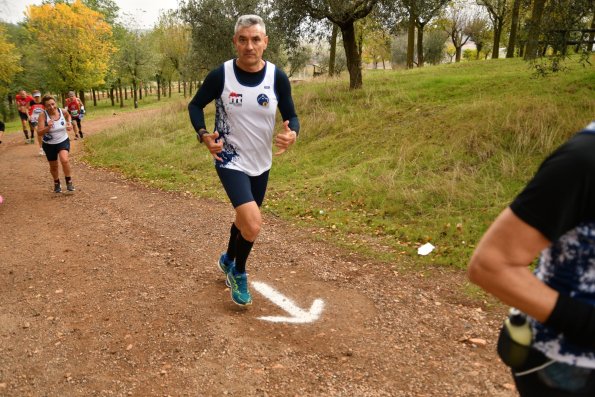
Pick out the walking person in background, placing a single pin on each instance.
(54, 123)
(247, 91)
(22, 100)
(553, 218)
(35, 109)
(2, 127)
(76, 109)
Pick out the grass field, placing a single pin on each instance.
(430, 154)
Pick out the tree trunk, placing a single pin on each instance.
(497, 34)
(458, 53)
(410, 41)
(179, 87)
(111, 95)
(158, 87)
(120, 89)
(140, 90)
(94, 96)
(126, 93)
(420, 45)
(134, 85)
(478, 48)
(170, 87)
(333, 51)
(534, 30)
(514, 25)
(352, 55)
(82, 97)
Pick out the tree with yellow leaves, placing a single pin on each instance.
(9, 67)
(75, 44)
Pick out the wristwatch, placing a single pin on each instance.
(200, 133)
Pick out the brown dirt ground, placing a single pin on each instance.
(114, 291)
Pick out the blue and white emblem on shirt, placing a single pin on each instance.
(263, 100)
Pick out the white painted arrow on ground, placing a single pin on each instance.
(297, 314)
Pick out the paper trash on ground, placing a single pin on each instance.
(425, 249)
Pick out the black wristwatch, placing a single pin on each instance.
(200, 133)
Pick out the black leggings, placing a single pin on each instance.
(78, 123)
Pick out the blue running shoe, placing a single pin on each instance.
(239, 288)
(225, 265)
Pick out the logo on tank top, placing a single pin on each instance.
(263, 100)
(235, 99)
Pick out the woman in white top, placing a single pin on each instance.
(55, 124)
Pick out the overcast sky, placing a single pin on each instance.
(145, 12)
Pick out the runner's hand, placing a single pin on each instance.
(285, 139)
(214, 147)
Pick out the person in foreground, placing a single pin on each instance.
(247, 91)
(55, 124)
(553, 218)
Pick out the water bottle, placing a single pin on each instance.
(515, 340)
(518, 327)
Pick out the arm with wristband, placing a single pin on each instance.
(558, 199)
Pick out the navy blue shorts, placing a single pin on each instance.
(51, 151)
(242, 188)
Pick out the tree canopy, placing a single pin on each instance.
(74, 44)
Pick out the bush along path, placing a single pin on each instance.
(114, 290)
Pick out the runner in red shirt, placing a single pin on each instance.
(77, 110)
(22, 100)
(35, 109)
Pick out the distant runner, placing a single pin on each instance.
(76, 109)
(35, 109)
(22, 100)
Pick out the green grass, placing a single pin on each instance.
(431, 154)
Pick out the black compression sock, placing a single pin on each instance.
(67, 179)
(233, 237)
(243, 250)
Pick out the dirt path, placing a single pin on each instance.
(113, 291)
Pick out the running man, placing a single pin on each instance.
(76, 109)
(22, 100)
(54, 123)
(35, 109)
(2, 126)
(247, 91)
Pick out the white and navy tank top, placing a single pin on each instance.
(57, 133)
(245, 119)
